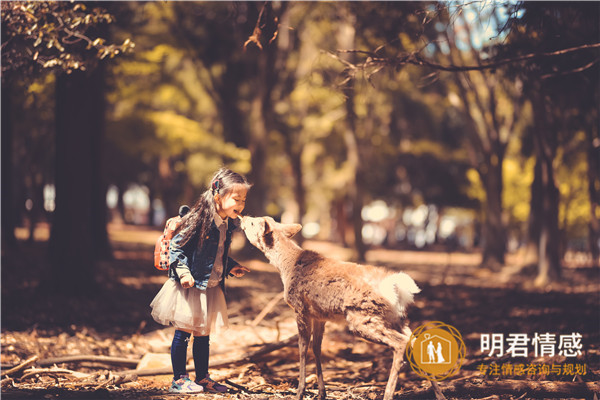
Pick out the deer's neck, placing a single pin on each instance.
(283, 256)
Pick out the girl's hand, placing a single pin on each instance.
(239, 271)
(187, 281)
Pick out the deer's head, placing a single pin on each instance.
(262, 231)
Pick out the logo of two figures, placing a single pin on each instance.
(435, 351)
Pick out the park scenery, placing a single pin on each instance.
(439, 162)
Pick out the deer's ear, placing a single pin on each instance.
(290, 230)
(268, 226)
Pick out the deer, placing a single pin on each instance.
(371, 300)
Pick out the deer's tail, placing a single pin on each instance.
(399, 290)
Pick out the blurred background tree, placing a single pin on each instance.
(471, 41)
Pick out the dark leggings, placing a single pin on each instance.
(200, 352)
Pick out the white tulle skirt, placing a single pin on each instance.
(200, 311)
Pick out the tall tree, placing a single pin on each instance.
(8, 196)
(593, 159)
(563, 91)
(492, 107)
(78, 218)
(239, 77)
(346, 39)
(67, 38)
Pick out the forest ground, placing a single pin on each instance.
(115, 321)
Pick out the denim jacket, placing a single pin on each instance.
(201, 262)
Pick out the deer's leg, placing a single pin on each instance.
(304, 332)
(318, 329)
(390, 388)
(375, 329)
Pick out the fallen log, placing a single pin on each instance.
(532, 389)
(247, 357)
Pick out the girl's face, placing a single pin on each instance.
(231, 204)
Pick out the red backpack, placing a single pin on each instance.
(161, 248)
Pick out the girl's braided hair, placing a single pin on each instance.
(199, 219)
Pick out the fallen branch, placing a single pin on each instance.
(7, 382)
(52, 371)
(533, 389)
(438, 392)
(117, 380)
(374, 59)
(237, 386)
(92, 358)
(20, 367)
(247, 357)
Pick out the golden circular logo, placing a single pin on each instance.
(437, 351)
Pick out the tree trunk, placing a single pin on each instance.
(121, 203)
(8, 192)
(531, 251)
(486, 143)
(228, 107)
(549, 267)
(593, 156)
(494, 235)
(151, 213)
(258, 149)
(346, 38)
(37, 209)
(100, 241)
(79, 213)
(295, 155)
(291, 135)
(166, 182)
(262, 121)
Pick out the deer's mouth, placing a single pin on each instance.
(242, 220)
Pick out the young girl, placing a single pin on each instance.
(192, 299)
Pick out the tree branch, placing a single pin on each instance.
(415, 59)
(573, 71)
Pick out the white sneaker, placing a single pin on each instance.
(185, 385)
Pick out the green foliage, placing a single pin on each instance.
(161, 109)
(572, 182)
(54, 35)
(516, 197)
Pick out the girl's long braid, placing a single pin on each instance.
(199, 219)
